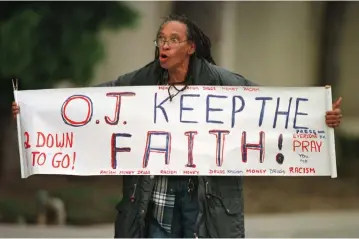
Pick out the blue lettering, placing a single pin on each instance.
(160, 107)
(261, 115)
(298, 113)
(286, 113)
(166, 150)
(234, 107)
(208, 109)
(220, 138)
(185, 108)
(115, 149)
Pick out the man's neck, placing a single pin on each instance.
(178, 75)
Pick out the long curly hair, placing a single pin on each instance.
(194, 34)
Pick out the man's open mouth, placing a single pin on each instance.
(163, 57)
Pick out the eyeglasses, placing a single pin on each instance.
(172, 42)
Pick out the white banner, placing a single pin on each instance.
(203, 130)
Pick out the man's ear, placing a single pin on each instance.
(192, 48)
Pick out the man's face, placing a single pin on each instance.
(174, 47)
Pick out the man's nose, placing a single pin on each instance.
(165, 46)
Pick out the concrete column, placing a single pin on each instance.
(277, 42)
(228, 40)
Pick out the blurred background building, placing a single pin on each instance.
(271, 43)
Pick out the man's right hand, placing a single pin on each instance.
(15, 109)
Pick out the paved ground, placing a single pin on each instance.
(314, 225)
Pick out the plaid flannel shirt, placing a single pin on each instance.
(163, 195)
(163, 198)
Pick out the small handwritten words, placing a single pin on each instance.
(235, 171)
(256, 171)
(168, 172)
(301, 170)
(143, 172)
(307, 140)
(197, 172)
(125, 172)
(251, 89)
(110, 172)
(303, 158)
(217, 171)
(42, 149)
(276, 171)
(191, 172)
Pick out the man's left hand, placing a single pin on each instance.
(333, 117)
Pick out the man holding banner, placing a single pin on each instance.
(183, 206)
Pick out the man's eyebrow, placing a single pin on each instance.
(174, 34)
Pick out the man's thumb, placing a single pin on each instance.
(337, 103)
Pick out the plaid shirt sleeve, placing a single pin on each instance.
(163, 199)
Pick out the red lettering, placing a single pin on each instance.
(170, 172)
(63, 140)
(296, 144)
(108, 172)
(220, 142)
(143, 172)
(260, 146)
(190, 172)
(60, 143)
(301, 170)
(190, 135)
(216, 171)
(256, 171)
(49, 141)
(27, 139)
(61, 160)
(307, 146)
(38, 158)
(165, 148)
(163, 87)
(209, 88)
(229, 88)
(319, 145)
(251, 89)
(89, 110)
(115, 149)
(118, 96)
(305, 136)
(40, 134)
(67, 140)
(126, 172)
